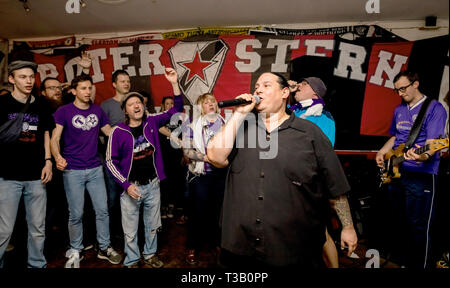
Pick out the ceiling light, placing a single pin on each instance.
(25, 5)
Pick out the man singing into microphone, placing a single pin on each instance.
(275, 209)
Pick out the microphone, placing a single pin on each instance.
(236, 102)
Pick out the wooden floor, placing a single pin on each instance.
(171, 250)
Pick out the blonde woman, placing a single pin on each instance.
(206, 182)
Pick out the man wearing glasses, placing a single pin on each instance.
(51, 89)
(411, 196)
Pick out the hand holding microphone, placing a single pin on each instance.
(244, 100)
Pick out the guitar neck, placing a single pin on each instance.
(419, 151)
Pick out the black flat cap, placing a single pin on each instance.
(19, 64)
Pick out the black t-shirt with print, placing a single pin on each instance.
(142, 168)
(24, 159)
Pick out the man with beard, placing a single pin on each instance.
(51, 90)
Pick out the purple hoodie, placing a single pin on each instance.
(119, 154)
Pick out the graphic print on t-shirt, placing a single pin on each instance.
(29, 127)
(142, 148)
(80, 122)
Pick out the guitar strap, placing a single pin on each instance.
(417, 124)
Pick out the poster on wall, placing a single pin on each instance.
(358, 73)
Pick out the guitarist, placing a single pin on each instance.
(411, 196)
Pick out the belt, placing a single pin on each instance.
(144, 182)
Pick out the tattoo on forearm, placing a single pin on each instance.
(342, 209)
(194, 155)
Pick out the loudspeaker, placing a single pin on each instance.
(430, 21)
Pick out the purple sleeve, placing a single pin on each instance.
(59, 116)
(164, 117)
(113, 157)
(436, 119)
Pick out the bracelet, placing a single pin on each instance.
(429, 156)
(48, 159)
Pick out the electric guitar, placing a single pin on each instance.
(393, 158)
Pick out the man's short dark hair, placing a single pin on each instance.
(412, 76)
(80, 78)
(42, 87)
(117, 73)
(281, 80)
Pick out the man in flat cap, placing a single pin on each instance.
(309, 93)
(135, 161)
(26, 163)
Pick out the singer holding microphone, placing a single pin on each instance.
(275, 210)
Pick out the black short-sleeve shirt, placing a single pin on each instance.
(275, 209)
(24, 159)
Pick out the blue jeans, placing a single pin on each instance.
(35, 200)
(150, 198)
(75, 183)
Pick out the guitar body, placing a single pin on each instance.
(394, 158)
(390, 168)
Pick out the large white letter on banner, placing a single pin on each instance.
(119, 61)
(96, 55)
(383, 66)
(242, 53)
(147, 58)
(346, 60)
(47, 70)
(312, 44)
(280, 58)
(68, 68)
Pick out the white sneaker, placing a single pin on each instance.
(74, 259)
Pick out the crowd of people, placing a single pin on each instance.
(245, 203)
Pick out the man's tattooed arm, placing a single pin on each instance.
(194, 155)
(342, 208)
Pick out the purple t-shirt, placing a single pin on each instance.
(432, 128)
(80, 134)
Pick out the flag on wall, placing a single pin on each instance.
(358, 73)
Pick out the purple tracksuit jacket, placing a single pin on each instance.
(119, 153)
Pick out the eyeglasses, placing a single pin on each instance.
(403, 89)
(54, 87)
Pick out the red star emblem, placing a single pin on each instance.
(196, 67)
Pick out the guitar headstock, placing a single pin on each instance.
(438, 144)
